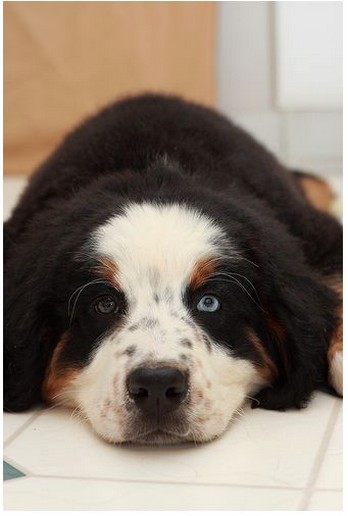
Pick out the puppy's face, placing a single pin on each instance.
(158, 348)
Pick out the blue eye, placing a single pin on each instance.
(208, 304)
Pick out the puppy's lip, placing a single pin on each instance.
(157, 435)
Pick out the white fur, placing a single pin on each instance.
(150, 237)
(155, 249)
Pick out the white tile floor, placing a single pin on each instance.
(265, 461)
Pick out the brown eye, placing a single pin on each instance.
(106, 305)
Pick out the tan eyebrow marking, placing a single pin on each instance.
(108, 270)
(202, 271)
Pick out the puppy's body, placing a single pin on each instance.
(154, 205)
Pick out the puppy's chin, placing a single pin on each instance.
(160, 437)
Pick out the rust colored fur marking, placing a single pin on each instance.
(335, 350)
(278, 331)
(317, 192)
(57, 378)
(268, 371)
(201, 272)
(108, 270)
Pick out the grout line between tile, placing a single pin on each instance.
(169, 482)
(16, 479)
(135, 481)
(21, 429)
(320, 456)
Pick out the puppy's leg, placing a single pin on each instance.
(335, 351)
(316, 191)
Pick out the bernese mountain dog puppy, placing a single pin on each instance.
(161, 269)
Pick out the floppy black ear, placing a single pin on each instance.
(298, 324)
(27, 328)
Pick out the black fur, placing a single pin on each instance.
(164, 149)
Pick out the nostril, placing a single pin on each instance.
(136, 388)
(140, 393)
(175, 392)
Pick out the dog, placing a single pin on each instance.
(161, 269)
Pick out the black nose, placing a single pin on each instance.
(157, 391)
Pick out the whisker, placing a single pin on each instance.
(78, 293)
(232, 258)
(236, 417)
(235, 281)
(249, 261)
(232, 276)
(78, 415)
(240, 411)
(253, 399)
(250, 283)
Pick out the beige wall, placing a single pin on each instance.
(64, 60)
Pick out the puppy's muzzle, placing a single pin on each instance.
(157, 391)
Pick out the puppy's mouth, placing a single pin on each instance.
(160, 433)
(159, 436)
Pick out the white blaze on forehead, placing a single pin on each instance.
(147, 239)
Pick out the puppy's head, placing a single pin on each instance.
(147, 355)
(158, 326)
